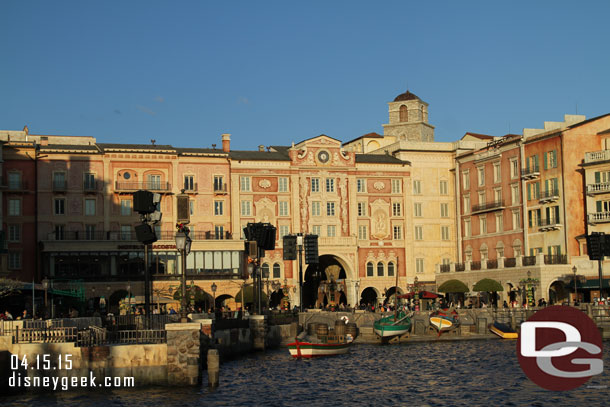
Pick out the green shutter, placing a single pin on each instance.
(598, 206)
(546, 164)
(529, 192)
(598, 177)
(529, 213)
(554, 154)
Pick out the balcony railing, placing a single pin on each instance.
(549, 195)
(445, 268)
(60, 186)
(596, 156)
(17, 185)
(460, 267)
(555, 259)
(134, 186)
(220, 189)
(598, 217)
(92, 186)
(598, 188)
(510, 262)
(549, 224)
(475, 265)
(201, 235)
(487, 206)
(492, 264)
(96, 235)
(190, 187)
(529, 260)
(530, 172)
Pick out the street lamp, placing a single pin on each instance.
(574, 270)
(45, 285)
(129, 296)
(356, 300)
(266, 276)
(214, 287)
(183, 243)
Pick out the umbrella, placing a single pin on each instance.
(248, 291)
(453, 286)
(488, 285)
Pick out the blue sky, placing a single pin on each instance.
(273, 72)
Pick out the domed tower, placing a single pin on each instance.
(409, 119)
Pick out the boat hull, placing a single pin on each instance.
(385, 327)
(503, 331)
(311, 350)
(443, 321)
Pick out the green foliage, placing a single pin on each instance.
(488, 285)
(453, 286)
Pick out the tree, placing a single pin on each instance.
(9, 287)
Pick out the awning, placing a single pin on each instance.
(589, 284)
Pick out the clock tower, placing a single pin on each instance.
(408, 116)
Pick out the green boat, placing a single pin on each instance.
(393, 326)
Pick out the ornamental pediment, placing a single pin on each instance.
(321, 151)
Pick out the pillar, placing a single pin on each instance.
(258, 328)
(183, 354)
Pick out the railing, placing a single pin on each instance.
(597, 188)
(201, 235)
(45, 335)
(95, 336)
(96, 235)
(555, 259)
(549, 222)
(529, 260)
(93, 186)
(475, 265)
(594, 156)
(283, 318)
(492, 264)
(598, 217)
(135, 322)
(60, 186)
(487, 206)
(17, 185)
(190, 188)
(510, 262)
(220, 189)
(552, 193)
(134, 186)
(530, 171)
(460, 267)
(445, 268)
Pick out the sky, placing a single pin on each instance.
(276, 72)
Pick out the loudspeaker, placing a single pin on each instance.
(145, 234)
(183, 209)
(143, 202)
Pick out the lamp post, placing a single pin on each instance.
(129, 296)
(45, 285)
(356, 300)
(266, 277)
(182, 245)
(574, 270)
(214, 287)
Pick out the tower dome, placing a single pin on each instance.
(406, 96)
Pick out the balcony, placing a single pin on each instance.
(487, 207)
(96, 235)
(121, 186)
(16, 186)
(92, 186)
(60, 186)
(598, 217)
(523, 262)
(202, 235)
(546, 225)
(555, 259)
(600, 188)
(190, 188)
(530, 173)
(597, 156)
(549, 196)
(220, 189)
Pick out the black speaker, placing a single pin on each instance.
(183, 209)
(143, 202)
(145, 234)
(269, 237)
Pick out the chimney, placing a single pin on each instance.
(226, 142)
(261, 148)
(44, 141)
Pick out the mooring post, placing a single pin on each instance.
(213, 367)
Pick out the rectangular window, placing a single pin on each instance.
(534, 218)
(397, 232)
(514, 168)
(552, 187)
(416, 187)
(154, 182)
(246, 208)
(466, 179)
(14, 207)
(497, 172)
(59, 180)
(419, 265)
(330, 209)
(361, 208)
(481, 174)
(482, 197)
(330, 185)
(315, 208)
(283, 208)
(219, 232)
(89, 207)
(219, 184)
(89, 232)
(535, 250)
(362, 232)
(419, 233)
(315, 185)
(444, 188)
(533, 164)
(14, 260)
(533, 191)
(283, 184)
(499, 222)
(445, 232)
(360, 185)
(396, 186)
(514, 192)
(396, 209)
(552, 214)
(444, 210)
(284, 231)
(483, 225)
(467, 228)
(14, 180)
(550, 159)
(125, 232)
(602, 177)
(218, 208)
(192, 207)
(89, 181)
(316, 229)
(125, 207)
(467, 204)
(498, 195)
(417, 212)
(244, 184)
(331, 231)
(516, 220)
(59, 232)
(189, 182)
(14, 233)
(59, 205)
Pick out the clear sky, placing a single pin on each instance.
(273, 72)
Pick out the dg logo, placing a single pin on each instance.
(560, 348)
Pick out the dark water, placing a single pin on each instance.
(418, 374)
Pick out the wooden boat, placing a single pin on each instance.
(308, 346)
(444, 320)
(503, 331)
(392, 326)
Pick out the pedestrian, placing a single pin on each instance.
(505, 305)
(8, 315)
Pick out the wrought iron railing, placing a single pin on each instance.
(529, 260)
(555, 259)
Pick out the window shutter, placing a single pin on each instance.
(529, 192)
(554, 154)
(530, 218)
(598, 206)
(545, 161)
(597, 177)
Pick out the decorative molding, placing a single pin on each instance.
(304, 188)
(265, 211)
(302, 153)
(380, 211)
(343, 193)
(379, 185)
(264, 183)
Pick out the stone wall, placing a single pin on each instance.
(184, 353)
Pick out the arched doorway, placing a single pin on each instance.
(389, 295)
(225, 300)
(369, 297)
(558, 293)
(324, 283)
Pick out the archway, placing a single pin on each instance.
(558, 293)
(389, 297)
(225, 300)
(324, 283)
(369, 297)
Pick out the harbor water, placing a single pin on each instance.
(468, 373)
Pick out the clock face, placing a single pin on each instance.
(323, 157)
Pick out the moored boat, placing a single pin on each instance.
(503, 331)
(392, 326)
(444, 320)
(324, 344)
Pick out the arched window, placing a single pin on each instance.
(484, 252)
(380, 269)
(500, 249)
(404, 113)
(277, 270)
(391, 268)
(369, 269)
(265, 269)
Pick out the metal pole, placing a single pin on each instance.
(33, 301)
(146, 286)
(183, 313)
(601, 280)
(301, 277)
